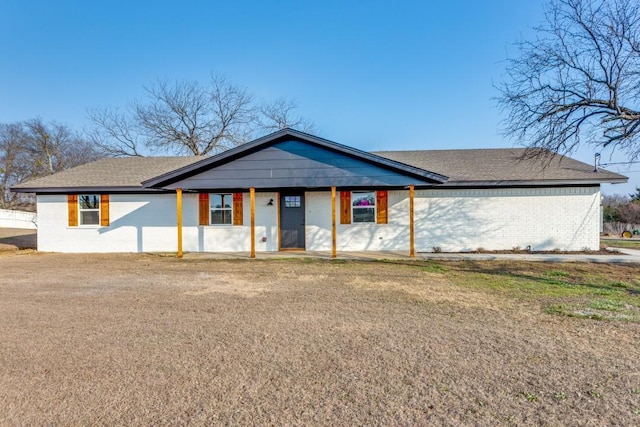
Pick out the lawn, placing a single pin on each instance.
(152, 340)
(621, 243)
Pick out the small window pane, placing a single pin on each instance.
(89, 209)
(220, 216)
(364, 215)
(221, 212)
(91, 201)
(364, 199)
(291, 201)
(364, 206)
(219, 201)
(89, 217)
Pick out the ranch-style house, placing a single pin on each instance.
(295, 191)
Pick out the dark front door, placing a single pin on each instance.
(292, 221)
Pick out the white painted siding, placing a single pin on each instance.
(453, 220)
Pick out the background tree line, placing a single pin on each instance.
(621, 212)
(33, 148)
(174, 118)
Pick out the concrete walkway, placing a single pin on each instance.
(626, 256)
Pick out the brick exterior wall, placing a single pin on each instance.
(566, 218)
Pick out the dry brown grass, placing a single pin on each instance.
(140, 339)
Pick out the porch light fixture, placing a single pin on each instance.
(270, 202)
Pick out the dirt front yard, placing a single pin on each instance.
(151, 340)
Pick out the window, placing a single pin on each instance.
(291, 201)
(221, 209)
(89, 209)
(364, 206)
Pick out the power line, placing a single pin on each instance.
(618, 163)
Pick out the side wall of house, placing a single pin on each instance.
(566, 218)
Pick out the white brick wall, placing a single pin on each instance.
(465, 220)
(453, 220)
(493, 219)
(147, 223)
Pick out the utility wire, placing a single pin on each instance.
(618, 163)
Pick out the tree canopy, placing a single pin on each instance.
(578, 81)
(32, 149)
(188, 117)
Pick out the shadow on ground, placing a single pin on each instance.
(17, 238)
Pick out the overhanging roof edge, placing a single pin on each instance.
(88, 189)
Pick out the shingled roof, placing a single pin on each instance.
(123, 173)
(502, 166)
(470, 168)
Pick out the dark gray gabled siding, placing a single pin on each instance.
(291, 164)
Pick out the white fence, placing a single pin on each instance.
(17, 219)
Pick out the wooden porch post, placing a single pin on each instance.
(179, 210)
(252, 194)
(333, 222)
(412, 251)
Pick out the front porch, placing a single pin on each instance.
(323, 220)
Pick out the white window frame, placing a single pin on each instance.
(375, 207)
(81, 210)
(229, 209)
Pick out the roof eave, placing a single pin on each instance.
(534, 182)
(86, 189)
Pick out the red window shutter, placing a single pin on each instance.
(203, 208)
(72, 207)
(237, 209)
(381, 205)
(104, 210)
(345, 207)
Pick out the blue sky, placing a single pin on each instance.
(374, 75)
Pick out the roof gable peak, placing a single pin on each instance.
(288, 134)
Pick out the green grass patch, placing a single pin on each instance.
(570, 311)
(433, 267)
(589, 291)
(621, 243)
(585, 291)
(607, 305)
(557, 273)
(597, 309)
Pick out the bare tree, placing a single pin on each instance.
(278, 115)
(32, 149)
(186, 117)
(115, 134)
(13, 161)
(578, 82)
